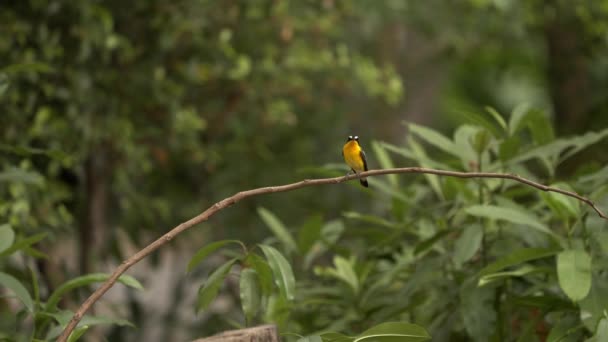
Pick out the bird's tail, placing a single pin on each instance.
(363, 182)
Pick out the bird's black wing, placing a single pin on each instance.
(364, 160)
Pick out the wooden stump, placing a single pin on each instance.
(262, 333)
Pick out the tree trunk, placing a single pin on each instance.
(568, 74)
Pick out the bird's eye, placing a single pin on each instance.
(350, 137)
(356, 137)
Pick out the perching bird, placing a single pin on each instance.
(355, 157)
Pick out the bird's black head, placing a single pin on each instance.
(353, 137)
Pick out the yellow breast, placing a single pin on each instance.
(352, 156)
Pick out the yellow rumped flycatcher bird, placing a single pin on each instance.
(355, 157)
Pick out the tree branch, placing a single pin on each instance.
(204, 216)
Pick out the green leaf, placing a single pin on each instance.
(385, 162)
(250, 293)
(477, 310)
(519, 272)
(434, 138)
(37, 67)
(517, 257)
(64, 316)
(336, 337)
(563, 148)
(574, 273)
(601, 333)
(371, 219)
(413, 155)
(516, 118)
(478, 119)
(21, 176)
(594, 304)
(563, 206)
(345, 271)
(548, 302)
(208, 292)
(202, 253)
(511, 215)
(310, 338)
(85, 281)
(468, 243)
(77, 333)
(20, 291)
(4, 83)
(428, 243)
(283, 274)
(501, 121)
(508, 148)
(309, 233)
(263, 271)
(278, 228)
(394, 332)
(540, 126)
(7, 237)
(23, 244)
(420, 155)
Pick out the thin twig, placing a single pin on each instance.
(204, 216)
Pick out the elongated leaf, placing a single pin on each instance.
(428, 243)
(309, 233)
(84, 281)
(385, 162)
(467, 244)
(4, 83)
(372, 219)
(478, 119)
(204, 252)
(310, 338)
(278, 228)
(77, 333)
(393, 332)
(346, 272)
(564, 147)
(20, 291)
(601, 333)
(23, 244)
(64, 316)
(477, 310)
(516, 117)
(283, 274)
(250, 293)
(563, 206)
(595, 303)
(22, 176)
(263, 271)
(7, 237)
(499, 119)
(208, 292)
(511, 215)
(434, 138)
(37, 67)
(574, 273)
(433, 180)
(519, 272)
(518, 257)
(409, 154)
(336, 337)
(548, 302)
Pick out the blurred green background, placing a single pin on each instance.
(121, 119)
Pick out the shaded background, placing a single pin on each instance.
(130, 117)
